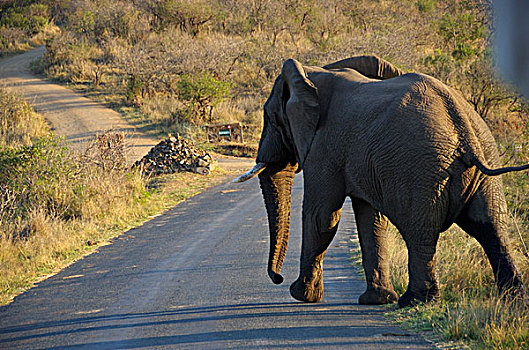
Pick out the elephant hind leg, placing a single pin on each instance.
(422, 286)
(485, 219)
(372, 233)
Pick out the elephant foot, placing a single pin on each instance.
(378, 296)
(411, 299)
(307, 292)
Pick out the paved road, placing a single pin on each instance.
(195, 277)
(68, 113)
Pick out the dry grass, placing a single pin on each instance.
(19, 124)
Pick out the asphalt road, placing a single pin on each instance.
(194, 277)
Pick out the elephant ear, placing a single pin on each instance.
(301, 107)
(369, 66)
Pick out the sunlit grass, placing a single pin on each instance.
(19, 124)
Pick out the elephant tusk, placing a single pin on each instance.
(253, 172)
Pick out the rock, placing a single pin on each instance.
(202, 170)
(175, 154)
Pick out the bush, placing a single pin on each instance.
(19, 124)
(73, 59)
(202, 93)
(32, 19)
(38, 175)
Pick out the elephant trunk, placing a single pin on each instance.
(276, 185)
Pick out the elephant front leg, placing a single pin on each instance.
(318, 231)
(372, 233)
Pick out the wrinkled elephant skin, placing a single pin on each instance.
(404, 147)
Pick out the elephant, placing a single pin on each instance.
(405, 148)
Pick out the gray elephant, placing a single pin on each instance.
(404, 147)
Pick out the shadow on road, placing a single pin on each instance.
(187, 315)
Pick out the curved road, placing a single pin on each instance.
(76, 117)
(68, 113)
(195, 277)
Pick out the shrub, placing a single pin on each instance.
(74, 59)
(202, 93)
(32, 19)
(38, 175)
(19, 124)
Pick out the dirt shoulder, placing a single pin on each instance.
(76, 117)
(70, 115)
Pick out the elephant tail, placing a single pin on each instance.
(471, 160)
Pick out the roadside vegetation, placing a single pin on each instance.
(23, 25)
(172, 66)
(56, 205)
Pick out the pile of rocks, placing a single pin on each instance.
(175, 154)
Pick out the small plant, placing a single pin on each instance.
(202, 92)
(426, 6)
